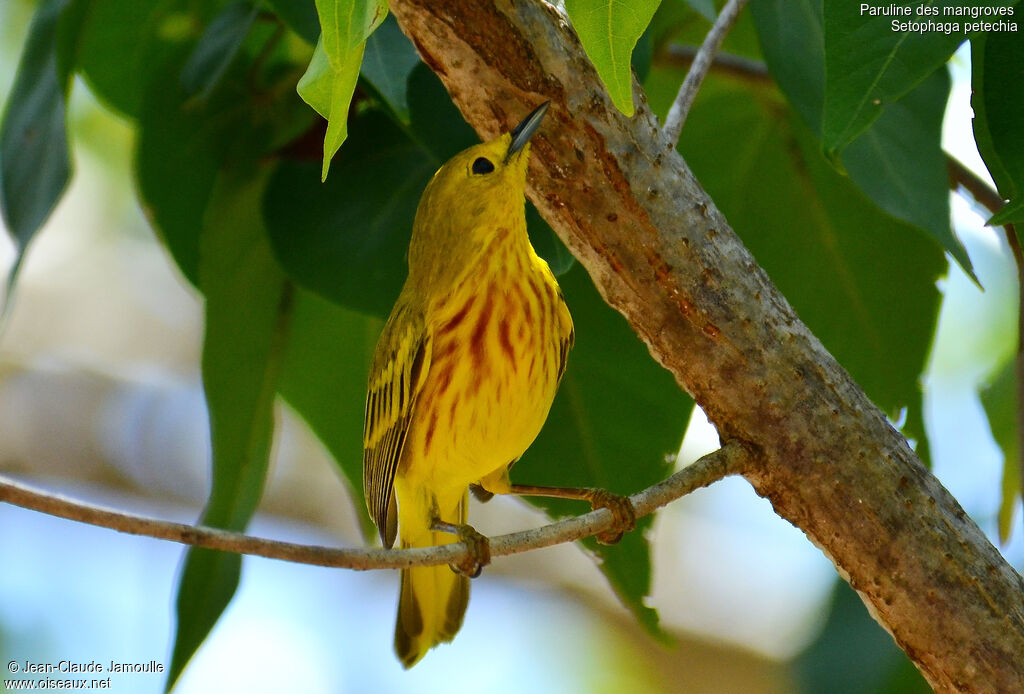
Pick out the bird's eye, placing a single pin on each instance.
(482, 165)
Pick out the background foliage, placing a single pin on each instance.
(838, 184)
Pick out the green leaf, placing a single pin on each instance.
(999, 399)
(248, 307)
(854, 655)
(434, 121)
(34, 161)
(300, 16)
(330, 79)
(899, 163)
(178, 156)
(705, 8)
(217, 47)
(329, 91)
(546, 242)
(997, 83)
(346, 24)
(1013, 213)
(125, 42)
(610, 428)
(609, 30)
(324, 380)
(183, 142)
(837, 259)
(387, 63)
(894, 161)
(869, 65)
(346, 239)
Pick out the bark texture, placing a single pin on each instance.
(662, 254)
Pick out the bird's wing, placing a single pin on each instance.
(569, 335)
(400, 364)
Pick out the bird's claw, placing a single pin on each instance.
(478, 554)
(623, 514)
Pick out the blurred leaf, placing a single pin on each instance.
(1013, 213)
(854, 655)
(999, 399)
(706, 8)
(70, 33)
(329, 91)
(546, 242)
(183, 142)
(217, 47)
(125, 42)
(34, 161)
(790, 32)
(643, 54)
(868, 65)
(345, 25)
(387, 63)
(346, 239)
(609, 30)
(179, 152)
(610, 428)
(248, 307)
(324, 380)
(300, 16)
(895, 161)
(435, 123)
(863, 282)
(997, 83)
(673, 18)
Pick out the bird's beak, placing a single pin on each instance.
(522, 133)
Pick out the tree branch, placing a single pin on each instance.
(698, 69)
(728, 460)
(662, 254)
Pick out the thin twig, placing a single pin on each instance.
(688, 91)
(681, 55)
(728, 460)
(960, 175)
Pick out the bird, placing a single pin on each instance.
(462, 379)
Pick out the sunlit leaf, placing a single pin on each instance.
(329, 91)
(346, 24)
(609, 30)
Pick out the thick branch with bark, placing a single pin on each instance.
(663, 255)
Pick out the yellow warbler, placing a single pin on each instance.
(462, 378)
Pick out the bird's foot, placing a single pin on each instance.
(623, 514)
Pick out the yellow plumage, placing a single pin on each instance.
(464, 372)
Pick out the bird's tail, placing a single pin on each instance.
(433, 599)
